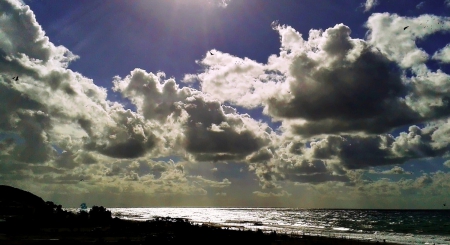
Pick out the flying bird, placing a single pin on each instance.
(16, 78)
(211, 53)
(405, 27)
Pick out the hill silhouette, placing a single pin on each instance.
(14, 201)
(9, 193)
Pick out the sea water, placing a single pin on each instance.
(399, 226)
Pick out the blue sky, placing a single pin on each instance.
(227, 102)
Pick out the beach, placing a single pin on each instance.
(159, 231)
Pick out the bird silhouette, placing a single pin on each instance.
(211, 53)
(16, 78)
(405, 27)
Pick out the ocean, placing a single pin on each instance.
(399, 226)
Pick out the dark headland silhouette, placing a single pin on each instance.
(11, 194)
(27, 219)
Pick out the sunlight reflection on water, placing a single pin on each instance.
(407, 227)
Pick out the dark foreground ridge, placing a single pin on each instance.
(27, 219)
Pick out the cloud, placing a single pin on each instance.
(418, 143)
(70, 160)
(271, 194)
(443, 55)
(447, 3)
(229, 78)
(300, 87)
(212, 131)
(370, 4)
(333, 157)
(288, 161)
(319, 75)
(334, 73)
(387, 28)
(23, 36)
(447, 163)
(52, 105)
(210, 183)
(222, 3)
(354, 152)
(394, 170)
(420, 5)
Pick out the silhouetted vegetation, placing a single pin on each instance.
(99, 215)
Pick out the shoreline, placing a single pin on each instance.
(160, 231)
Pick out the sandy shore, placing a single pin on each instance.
(153, 232)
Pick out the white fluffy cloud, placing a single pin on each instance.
(370, 4)
(443, 55)
(386, 29)
(243, 82)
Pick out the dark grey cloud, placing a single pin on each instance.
(203, 137)
(131, 148)
(337, 91)
(359, 152)
(210, 131)
(128, 136)
(355, 152)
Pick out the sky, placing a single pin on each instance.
(227, 103)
